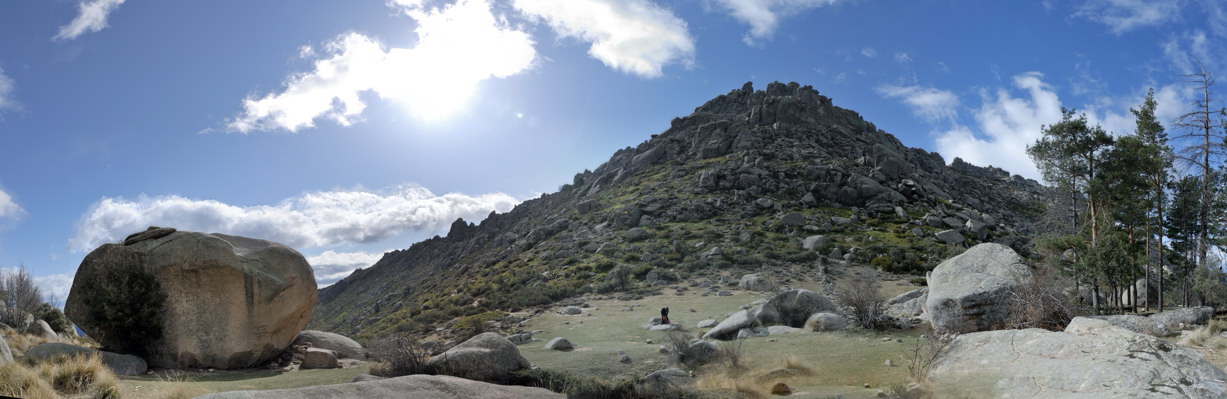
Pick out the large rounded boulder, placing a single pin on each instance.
(485, 357)
(972, 292)
(193, 300)
(342, 345)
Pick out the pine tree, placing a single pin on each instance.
(1155, 163)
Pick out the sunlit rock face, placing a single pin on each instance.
(225, 301)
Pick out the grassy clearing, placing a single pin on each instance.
(186, 385)
(816, 365)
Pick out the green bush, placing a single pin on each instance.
(884, 262)
(54, 318)
(126, 308)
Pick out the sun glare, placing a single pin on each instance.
(459, 46)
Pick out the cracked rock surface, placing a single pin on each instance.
(1091, 359)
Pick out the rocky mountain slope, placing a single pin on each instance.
(776, 178)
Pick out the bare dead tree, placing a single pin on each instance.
(1203, 133)
(19, 290)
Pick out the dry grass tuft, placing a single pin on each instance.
(19, 381)
(749, 378)
(1207, 337)
(176, 385)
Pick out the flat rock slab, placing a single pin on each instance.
(1091, 359)
(410, 386)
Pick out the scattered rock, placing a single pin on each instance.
(344, 347)
(725, 293)
(814, 242)
(559, 344)
(793, 219)
(826, 321)
(6, 355)
(1092, 358)
(707, 323)
(229, 301)
(950, 237)
(970, 292)
(781, 389)
(777, 330)
(752, 332)
(410, 386)
(699, 352)
(318, 358)
(755, 282)
(521, 339)
(485, 357)
(626, 359)
(667, 380)
(41, 329)
(572, 310)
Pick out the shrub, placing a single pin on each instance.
(1042, 303)
(15, 318)
(54, 318)
(469, 326)
(928, 349)
(882, 262)
(126, 305)
(731, 355)
(861, 293)
(397, 356)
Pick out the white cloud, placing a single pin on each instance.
(632, 36)
(1185, 52)
(1122, 16)
(933, 105)
(310, 220)
(55, 287)
(1007, 125)
(8, 207)
(7, 101)
(869, 52)
(91, 17)
(459, 46)
(763, 15)
(332, 266)
(902, 57)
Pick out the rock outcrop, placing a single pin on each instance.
(1091, 359)
(485, 357)
(791, 308)
(683, 200)
(1163, 324)
(211, 300)
(344, 346)
(971, 292)
(410, 386)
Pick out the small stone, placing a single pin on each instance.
(781, 389)
(624, 359)
(663, 349)
(866, 385)
(881, 393)
(890, 363)
(887, 339)
(649, 342)
(773, 340)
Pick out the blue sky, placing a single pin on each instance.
(349, 128)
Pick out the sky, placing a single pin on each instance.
(346, 129)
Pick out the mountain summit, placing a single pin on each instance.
(754, 179)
